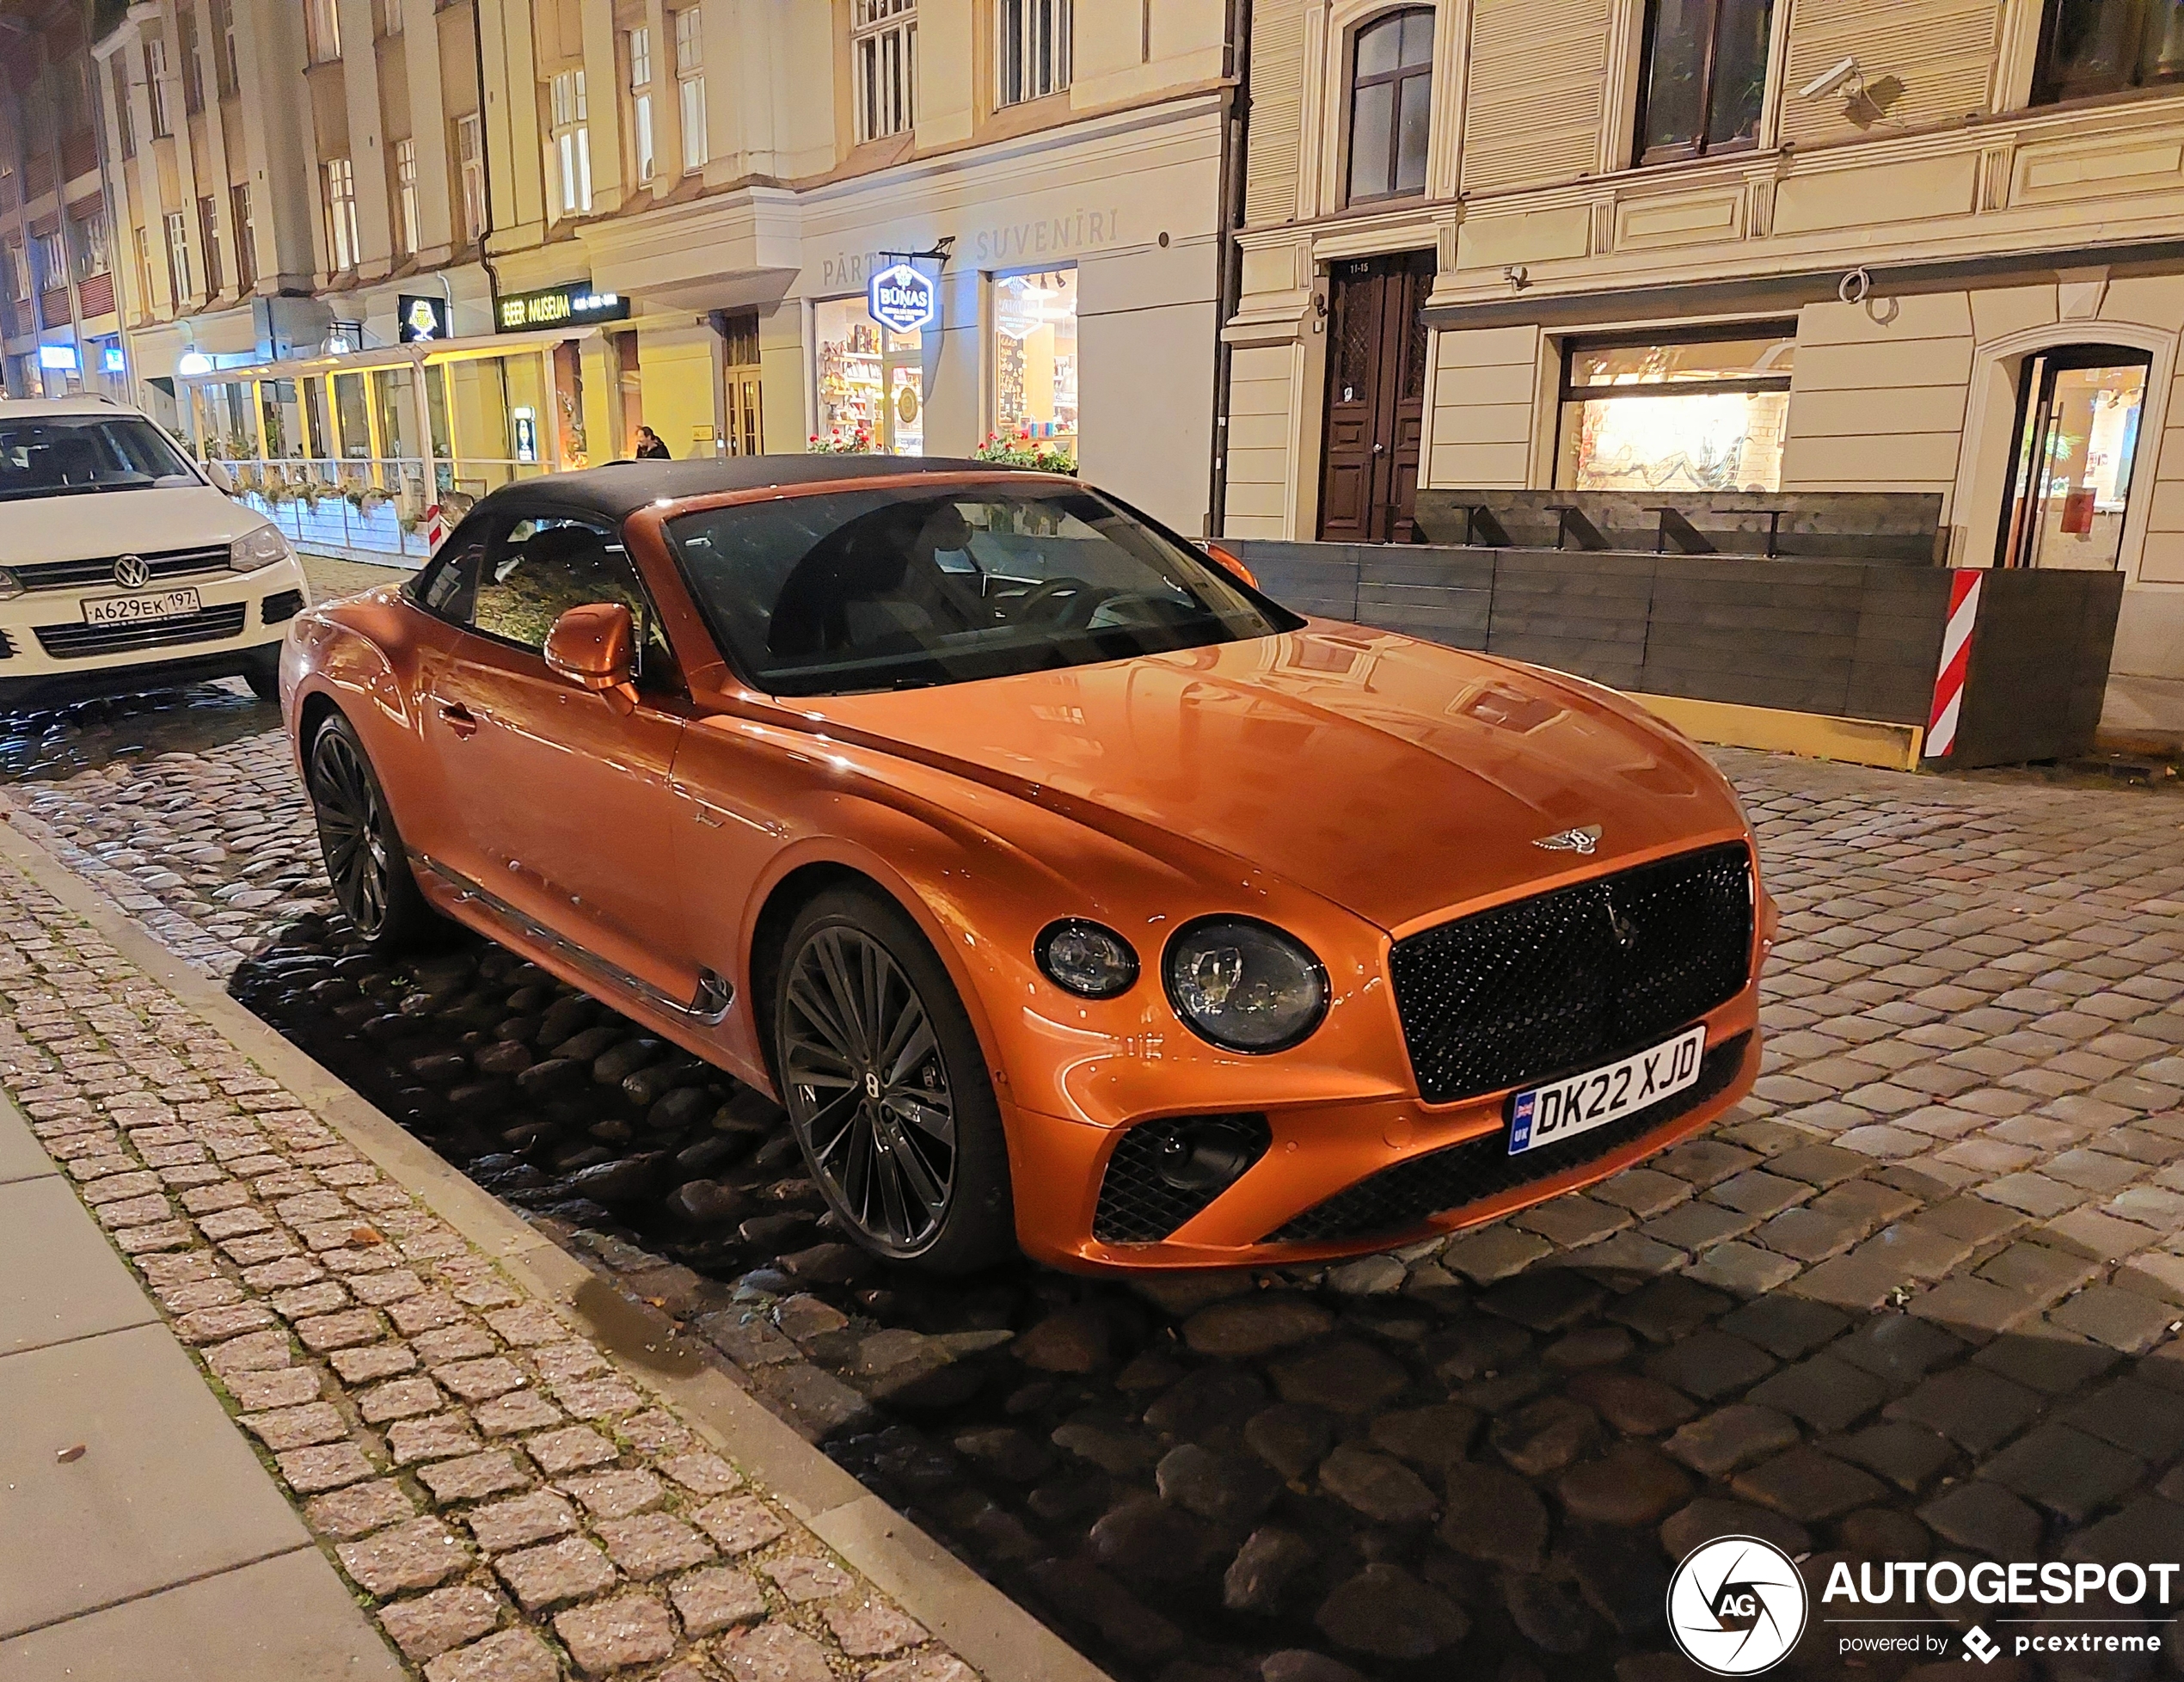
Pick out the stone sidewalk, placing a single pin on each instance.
(508, 1503)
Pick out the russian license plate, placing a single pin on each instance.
(134, 610)
(1549, 1114)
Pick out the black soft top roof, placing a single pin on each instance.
(620, 488)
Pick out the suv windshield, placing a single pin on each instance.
(65, 455)
(851, 589)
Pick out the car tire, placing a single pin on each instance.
(912, 1156)
(364, 858)
(263, 675)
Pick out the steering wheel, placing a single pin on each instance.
(1078, 601)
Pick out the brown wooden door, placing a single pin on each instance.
(1376, 398)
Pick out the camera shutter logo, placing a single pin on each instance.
(1736, 1606)
(131, 573)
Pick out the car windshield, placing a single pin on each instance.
(851, 590)
(67, 455)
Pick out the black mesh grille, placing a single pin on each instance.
(1397, 1199)
(1139, 1205)
(78, 642)
(1576, 978)
(7, 647)
(282, 606)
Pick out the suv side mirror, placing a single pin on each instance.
(222, 481)
(594, 647)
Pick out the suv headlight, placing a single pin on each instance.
(258, 549)
(10, 585)
(1245, 985)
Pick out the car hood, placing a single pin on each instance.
(119, 522)
(1395, 777)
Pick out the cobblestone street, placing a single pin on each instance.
(1919, 1300)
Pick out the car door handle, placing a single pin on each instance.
(459, 718)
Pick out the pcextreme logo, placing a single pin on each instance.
(1736, 1606)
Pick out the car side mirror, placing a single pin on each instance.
(222, 481)
(1229, 564)
(594, 647)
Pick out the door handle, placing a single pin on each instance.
(459, 719)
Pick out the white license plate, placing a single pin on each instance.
(1549, 1114)
(134, 610)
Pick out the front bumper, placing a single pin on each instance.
(49, 656)
(1322, 1157)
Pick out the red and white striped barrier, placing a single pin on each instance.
(1956, 658)
(435, 528)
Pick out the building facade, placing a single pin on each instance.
(1924, 245)
(60, 322)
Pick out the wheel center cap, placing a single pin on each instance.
(871, 1085)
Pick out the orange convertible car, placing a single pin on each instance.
(1060, 885)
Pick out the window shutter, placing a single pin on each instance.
(1277, 111)
(1942, 53)
(1539, 72)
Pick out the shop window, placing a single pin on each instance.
(342, 237)
(883, 45)
(571, 141)
(1696, 412)
(322, 30)
(1704, 78)
(408, 226)
(871, 381)
(2079, 408)
(1034, 357)
(208, 237)
(178, 264)
(1391, 95)
(163, 124)
(641, 101)
(246, 238)
(1033, 49)
(470, 152)
(2091, 47)
(690, 83)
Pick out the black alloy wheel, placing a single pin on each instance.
(886, 1089)
(364, 854)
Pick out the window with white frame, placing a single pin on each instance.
(390, 17)
(178, 269)
(155, 73)
(322, 30)
(570, 140)
(883, 47)
(19, 286)
(48, 265)
(470, 154)
(689, 76)
(246, 238)
(1032, 47)
(124, 116)
(641, 101)
(342, 237)
(208, 240)
(230, 68)
(89, 243)
(406, 215)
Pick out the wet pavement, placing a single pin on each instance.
(1918, 1300)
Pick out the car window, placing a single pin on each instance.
(850, 590)
(535, 569)
(446, 587)
(67, 455)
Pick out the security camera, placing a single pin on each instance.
(1844, 78)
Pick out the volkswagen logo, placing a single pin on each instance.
(131, 573)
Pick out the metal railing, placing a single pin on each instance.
(377, 505)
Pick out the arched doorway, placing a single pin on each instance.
(2079, 409)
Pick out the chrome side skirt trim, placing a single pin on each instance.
(708, 1009)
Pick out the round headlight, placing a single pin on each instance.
(254, 549)
(1085, 959)
(1245, 985)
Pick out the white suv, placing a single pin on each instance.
(124, 566)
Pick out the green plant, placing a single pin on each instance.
(1037, 454)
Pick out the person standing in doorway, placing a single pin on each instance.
(651, 447)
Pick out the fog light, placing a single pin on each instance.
(1206, 1153)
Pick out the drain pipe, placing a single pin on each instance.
(1236, 120)
(485, 172)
